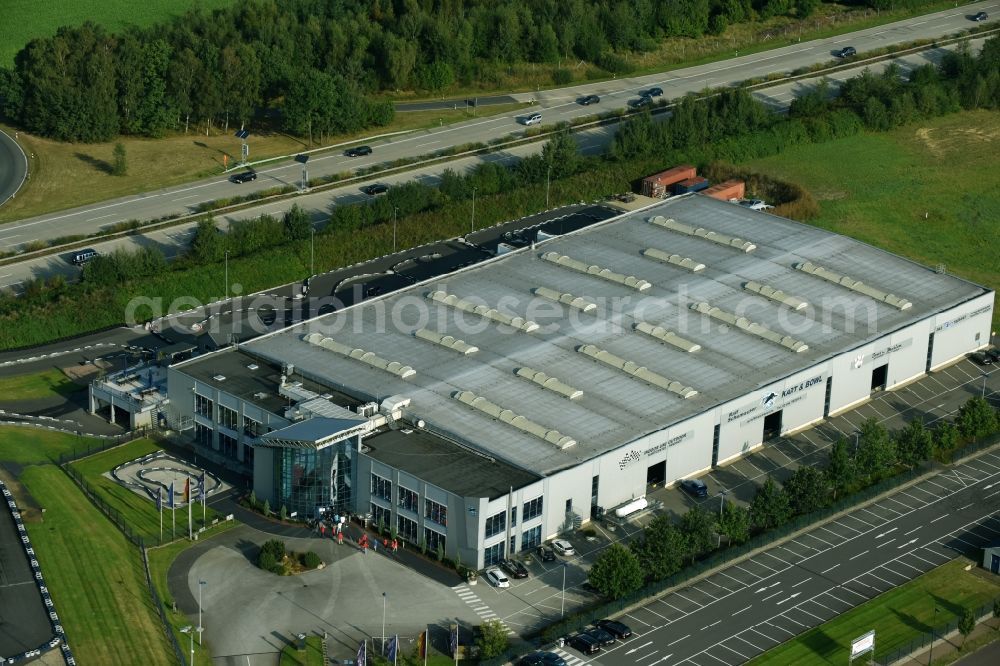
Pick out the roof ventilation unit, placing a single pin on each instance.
(577, 302)
(700, 232)
(854, 285)
(446, 341)
(520, 323)
(553, 437)
(669, 337)
(776, 295)
(596, 271)
(751, 327)
(637, 371)
(367, 357)
(551, 383)
(673, 259)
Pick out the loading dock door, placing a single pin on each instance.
(655, 474)
(772, 426)
(880, 376)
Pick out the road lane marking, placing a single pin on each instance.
(802, 581)
(912, 531)
(93, 219)
(711, 625)
(636, 649)
(771, 596)
(858, 555)
(742, 609)
(884, 543)
(879, 536)
(792, 597)
(911, 541)
(939, 518)
(831, 568)
(678, 640)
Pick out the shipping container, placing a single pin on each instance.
(657, 184)
(727, 191)
(696, 184)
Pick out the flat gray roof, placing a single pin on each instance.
(256, 385)
(615, 407)
(445, 464)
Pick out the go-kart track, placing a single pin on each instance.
(154, 475)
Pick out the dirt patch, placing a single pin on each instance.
(81, 374)
(829, 195)
(9, 472)
(941, 141)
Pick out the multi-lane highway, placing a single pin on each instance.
(555, 105)
(174, 239)
(747, 608)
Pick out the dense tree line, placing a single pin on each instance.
(667, 545)
(316, 63)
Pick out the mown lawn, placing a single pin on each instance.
(929, 191)
(95, 576)
(139, 512)
(311, 656)
(898, 616)
(33, 386)
(26, 446)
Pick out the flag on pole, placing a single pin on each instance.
(203, 518)
(422, 645)
(392, 649)
(187, 490)
(453, 640)
(173, 514)
(159, 508)
(362, 659)
(170, 495)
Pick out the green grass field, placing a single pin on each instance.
(25, 20)
(929, 191)
(26, 446)
(138, 511)
(311, 656)
(37, 385)
(95, 576)
(898, 616)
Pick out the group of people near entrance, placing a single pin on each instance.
(365, 542)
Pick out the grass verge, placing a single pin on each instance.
(311, 656)
(897, 616)
(929, 191)
(27, 446)
(38, 385)
(95, 576)
(137, 510)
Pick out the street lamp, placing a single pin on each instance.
(190, 631)
(312, 250)
(382, 650)
(986, 376)
(473, 210)
(548, 173)
(201, 586)
(930, 653)
(562, 606)
(226, 295)
(722, 503)
(395, 209)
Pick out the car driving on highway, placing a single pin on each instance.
(980, 16)
(358, 151)
(533, 119)
(846, 52)
(588, 100)
(375, 189)
(244, 177)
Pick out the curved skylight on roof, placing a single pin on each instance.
(701, 232)
(520, 323)
(751, 327)
(673, 259)
(596, 271)
(553, 437)
(663, 335)
(551, 383)
(447, 341)
(637, 371)
(370, 358)
(776, 295)
(853, 285)
(572, 301)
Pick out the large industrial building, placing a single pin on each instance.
(484, 411)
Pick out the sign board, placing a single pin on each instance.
(864, 644)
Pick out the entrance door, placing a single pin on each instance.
(880, 376)
(772, 425)
(995, 564)
(655, 474)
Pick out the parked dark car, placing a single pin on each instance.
(244, 177)
(995, 354)
(605, 638)
(514, 568)
(980, 16)
(584, 643)
(655, 91)
(984, 358)
(375, 189)
(588, 100)
(615, 627)
(358, 151)
(694, 487)
(546, 554)
(542, 659)
(846, 52)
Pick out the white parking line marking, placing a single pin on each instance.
(831, 568)
(802, 581)
(742, 609)
(943, 515)
(679, 640)
(858, 555)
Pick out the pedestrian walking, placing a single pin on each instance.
(322, 530)
(395, 546)
(340, 538)
(375, 545)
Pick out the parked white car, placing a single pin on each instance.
(563, 547)
(497, 578)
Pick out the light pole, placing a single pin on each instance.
(226, 295)
(190, 631)
(562, 606)
(473, 210)
(382, 649)
(986, 376)
(548, 173)
(395, 209)
(930, 653)
(312, 251)
(722, 504)
(201, 586)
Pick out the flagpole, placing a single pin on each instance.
(159, 509)
(187, 498)
(204, 519)
(427, 638)
(173, 514)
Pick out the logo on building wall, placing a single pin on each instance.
(630, 457)
(859, 360)
(768, 400)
